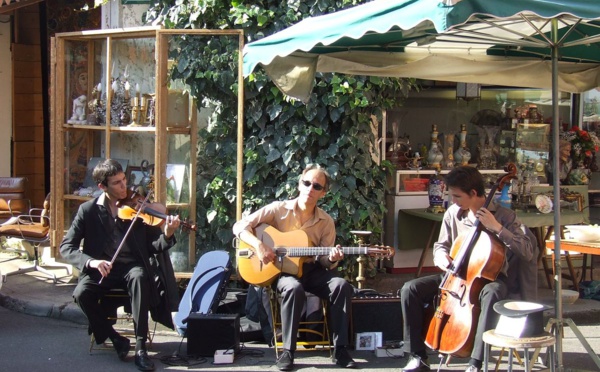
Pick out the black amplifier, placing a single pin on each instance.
(377, 314)
(207, 333)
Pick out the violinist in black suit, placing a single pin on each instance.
(97, 224)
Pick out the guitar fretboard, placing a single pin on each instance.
(316, 251)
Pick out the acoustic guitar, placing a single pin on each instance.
(291, 249)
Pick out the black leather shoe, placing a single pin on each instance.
(143, 361)
(122, 346)
(285, 362)
(342, 358)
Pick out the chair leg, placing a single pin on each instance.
(35, 267)
(274, 305)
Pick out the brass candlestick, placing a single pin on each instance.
(360, 278)
(143, 118)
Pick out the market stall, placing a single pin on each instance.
(514, 42)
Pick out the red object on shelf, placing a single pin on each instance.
(415, 184)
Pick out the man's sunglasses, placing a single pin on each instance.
(316, 186)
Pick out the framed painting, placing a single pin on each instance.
(134, 176)
(175, 179)
(366, 341)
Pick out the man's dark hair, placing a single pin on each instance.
(105, 169)
(466, 178)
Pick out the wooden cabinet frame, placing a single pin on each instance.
(159, 135)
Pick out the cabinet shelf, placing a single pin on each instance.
(133, 129)
(177, 206)
(76, 197)
(111, 128)
(84, 127)
(178, 130)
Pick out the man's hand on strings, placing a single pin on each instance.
(265, 253)
(336, 254)
(102, 266)
(442, 260)
(171, 224)
(488, 220)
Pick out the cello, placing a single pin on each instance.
(477, 258)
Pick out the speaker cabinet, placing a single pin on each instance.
(207, 333)
(377, 314)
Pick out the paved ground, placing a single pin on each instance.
(34, 294)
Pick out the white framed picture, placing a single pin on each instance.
(366, 341)
(175, 179)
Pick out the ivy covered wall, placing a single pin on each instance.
(281, 136)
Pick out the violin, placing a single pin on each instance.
(477, 258)
(152, 214)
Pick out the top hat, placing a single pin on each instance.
(519, 319)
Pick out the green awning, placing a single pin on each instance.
(481, 41)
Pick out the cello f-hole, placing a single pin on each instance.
(459, 295)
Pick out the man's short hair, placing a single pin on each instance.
(466, 178)
(105, 169)
(321, 170)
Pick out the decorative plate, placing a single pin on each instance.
(543, 203)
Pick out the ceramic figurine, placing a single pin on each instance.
(78, 116)
(462, 155)
(435, 155)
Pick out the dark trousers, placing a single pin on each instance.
(130, 277)
(322, 284)
(419, 293)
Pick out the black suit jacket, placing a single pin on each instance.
(92, 226)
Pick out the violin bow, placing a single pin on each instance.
(137, 214)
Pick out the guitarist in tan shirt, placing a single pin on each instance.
(303, 214)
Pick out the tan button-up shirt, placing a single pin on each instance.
(282, 215)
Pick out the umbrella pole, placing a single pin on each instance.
(557, 322)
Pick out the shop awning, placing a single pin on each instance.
(480, 41)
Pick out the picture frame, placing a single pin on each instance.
(134, 176)
(366, 341)
(175, 179)
(89, 180)
(150, 114)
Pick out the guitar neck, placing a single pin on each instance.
(318, 251)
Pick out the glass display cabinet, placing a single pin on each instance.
(533, 146)
(113, 97)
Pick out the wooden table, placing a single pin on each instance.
(567, 246)
(541, 224)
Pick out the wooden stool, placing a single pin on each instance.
(490, 338)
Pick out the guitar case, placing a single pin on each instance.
(205, 289)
